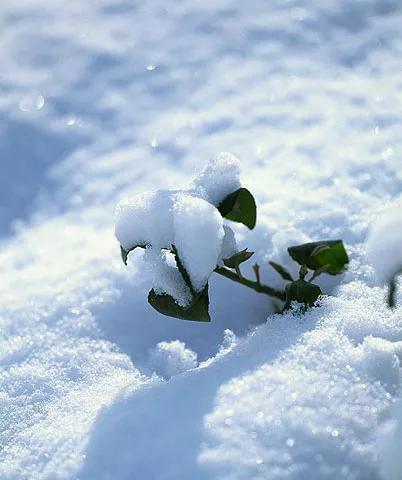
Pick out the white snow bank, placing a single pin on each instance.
(187, 220)
(305, 93)
(384, 243)
(298, 398)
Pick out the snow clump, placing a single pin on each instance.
(171, 358)
(219, 179)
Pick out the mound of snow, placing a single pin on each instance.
(171, 358)
(301, 397)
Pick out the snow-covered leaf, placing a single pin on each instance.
(240, 207)
(198, 310)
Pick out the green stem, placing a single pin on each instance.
(225, 272)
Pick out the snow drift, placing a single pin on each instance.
(112, 98)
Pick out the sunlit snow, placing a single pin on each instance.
(107, 99)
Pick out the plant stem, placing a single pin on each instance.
(272, 292)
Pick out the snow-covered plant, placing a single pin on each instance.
(185, 239)
(384, 248)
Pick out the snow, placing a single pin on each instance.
(166, 278)
(145, 220)
(384, 243)
(171, 358)
(220, 178)
(107, 99)
(229, 245)
(297, 398)
(198, 237)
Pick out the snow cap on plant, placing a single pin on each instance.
(219, 178)
(187, 225)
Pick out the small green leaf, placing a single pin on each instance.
(197, 311)
(391, 293)
(302, 292)
(124, 253)
(282, 271)
(238, 258)
(392, 286)
(329, 253)
(240, 207)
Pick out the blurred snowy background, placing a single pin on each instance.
(102, 98)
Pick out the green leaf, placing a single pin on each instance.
(197, 311)
(282, 271)
(302, 292)
(392, 286)
(240, 207)
(391, 293)
(329, 253)
(238, 258)
(124, 253)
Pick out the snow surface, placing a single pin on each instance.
(171, 358)
(115, 97)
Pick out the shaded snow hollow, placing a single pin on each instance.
(112, 98)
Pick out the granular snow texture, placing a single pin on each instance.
(112, 98)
